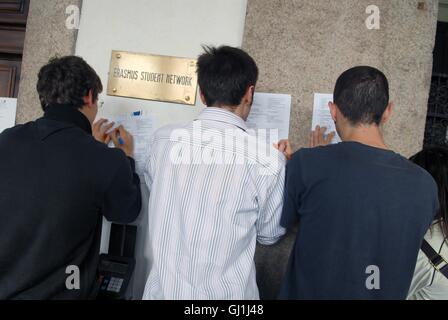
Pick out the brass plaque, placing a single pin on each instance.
(153, 77)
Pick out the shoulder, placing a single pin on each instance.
(110, 152)
(436, 239)
(273, 161)
(317, 152)
(176, 132)
(422, 177)
(169, 130)
(311, 157)
(260, 152)
(101, 154)
(18, 130)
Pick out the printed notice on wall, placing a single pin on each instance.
(271, 112)
(141, 127)
(322, 116)
(8, 107)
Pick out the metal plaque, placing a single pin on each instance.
(153, 77)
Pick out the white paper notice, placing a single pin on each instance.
(322, 116)
(271, 111)
(8, 107)
(142, 128)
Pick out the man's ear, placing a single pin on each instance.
(388, 113)
(202, 98)
(249, 95)
(88, 99)
(333, 111)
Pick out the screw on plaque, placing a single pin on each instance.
(422, 6)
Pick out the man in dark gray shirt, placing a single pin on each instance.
(58, 178)
(362, 209)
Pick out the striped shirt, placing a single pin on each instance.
(214, 191)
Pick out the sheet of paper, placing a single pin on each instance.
(322, 116)
(142, 128)
(271, 111)
(8, 107)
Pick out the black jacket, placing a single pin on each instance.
(56, 183)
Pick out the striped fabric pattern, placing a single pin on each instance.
(205, 216)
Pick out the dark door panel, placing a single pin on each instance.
(9, 78)
(12, 40)
(13, 17)
(14, 11)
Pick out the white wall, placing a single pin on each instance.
(165, 27)
(443, 10)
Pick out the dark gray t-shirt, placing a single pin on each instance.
(362, 215)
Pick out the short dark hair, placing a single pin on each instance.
(224, 74)
(67, 80)
(362, 95)
(434, 159)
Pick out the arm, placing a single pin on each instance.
(269, 230)
(122, 201)
(148, 169)
(294, 187)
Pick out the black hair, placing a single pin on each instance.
(67, 80)
(362, 95)
(225, 74)
(435, 161)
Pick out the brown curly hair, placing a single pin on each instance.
(67, 80)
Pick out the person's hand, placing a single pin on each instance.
(100, 130)
(284, 147)
(123, 140)
(319, 138)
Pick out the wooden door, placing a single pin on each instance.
(13, 17)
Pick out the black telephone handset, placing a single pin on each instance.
(116, 267)
(115, 275)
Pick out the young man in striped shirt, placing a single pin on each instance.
(215, 189)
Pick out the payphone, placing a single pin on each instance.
(117, 266)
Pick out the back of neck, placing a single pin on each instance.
(368, 135)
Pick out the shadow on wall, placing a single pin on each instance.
(271, 263)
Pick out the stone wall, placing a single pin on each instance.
(46, 37)
(302, 46)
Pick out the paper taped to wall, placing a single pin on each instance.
(271, 111)
(141, 127)
(8, 108)
(322, 116)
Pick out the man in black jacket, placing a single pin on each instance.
(57, 180)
